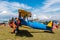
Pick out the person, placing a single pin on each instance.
(17, 23)
(12, 25)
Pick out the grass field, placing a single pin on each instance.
(28, 34)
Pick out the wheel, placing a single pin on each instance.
(16, 31)
(51, 32)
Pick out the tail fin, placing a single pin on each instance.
(50, 24)
(53, 25)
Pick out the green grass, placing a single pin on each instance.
(37, 34)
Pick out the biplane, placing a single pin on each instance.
(33, 24)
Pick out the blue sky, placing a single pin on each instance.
(41, 9)
(33, 3)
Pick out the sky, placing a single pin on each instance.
(41, 9)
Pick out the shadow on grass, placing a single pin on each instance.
(24, 33)
(43, 32)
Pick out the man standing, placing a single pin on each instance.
(17, 23)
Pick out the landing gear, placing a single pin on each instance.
(51, 32)
(17, 30)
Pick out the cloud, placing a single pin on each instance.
(51, 5)
(10, 9)
(48, 3)
(21, 6)
(50, 10)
